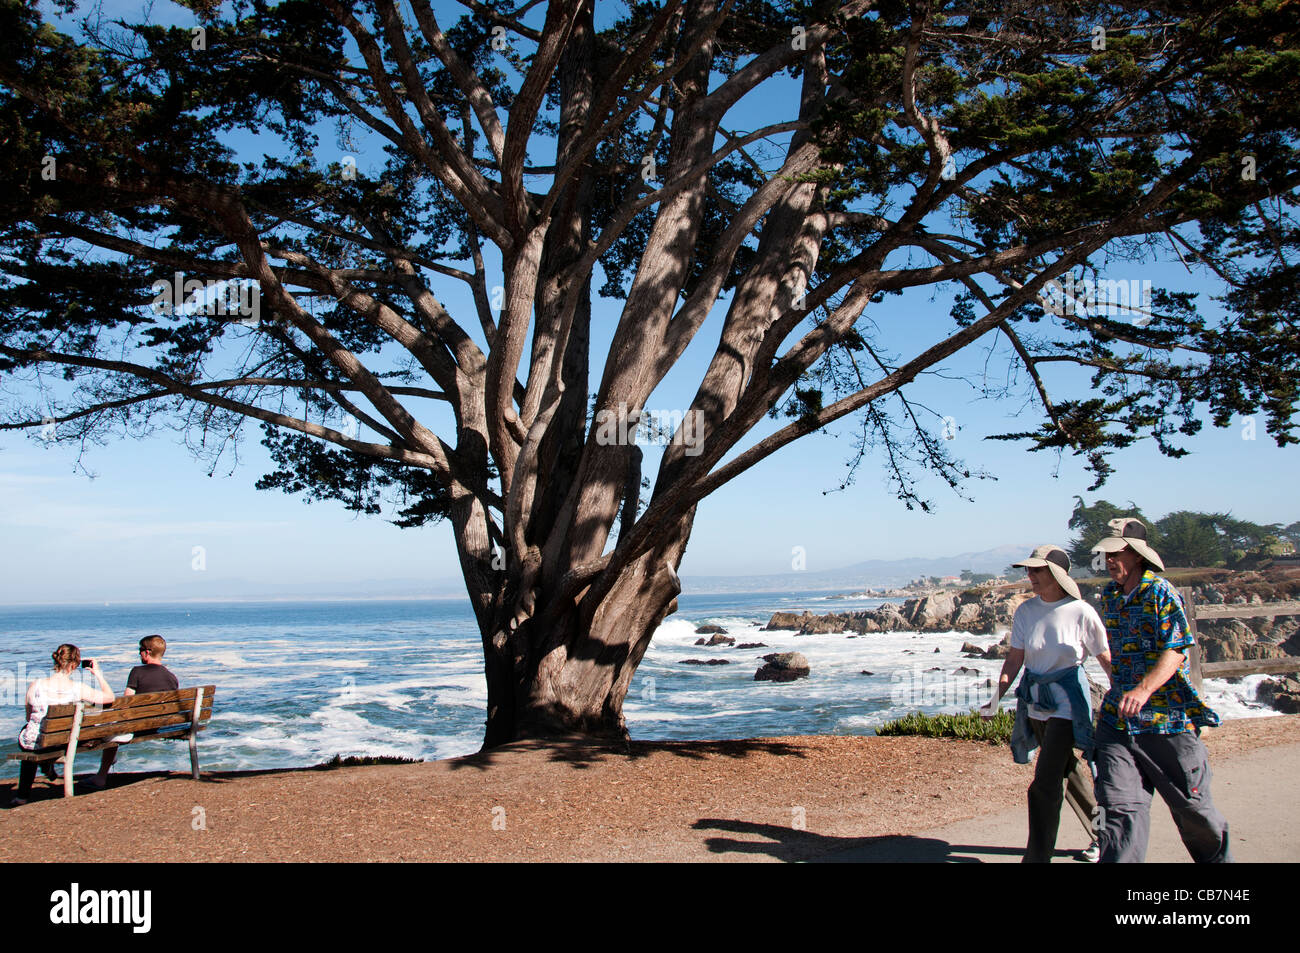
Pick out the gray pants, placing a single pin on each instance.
(1129, 768)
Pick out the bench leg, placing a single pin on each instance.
(194, 730)
(71, 754)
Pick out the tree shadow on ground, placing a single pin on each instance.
(583, 752)
(801, 846)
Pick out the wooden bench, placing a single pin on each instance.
(82, 726)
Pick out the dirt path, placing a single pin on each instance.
(797, 798)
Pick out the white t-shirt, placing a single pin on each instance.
(1057, 635)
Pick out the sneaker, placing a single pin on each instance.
(1091, 854)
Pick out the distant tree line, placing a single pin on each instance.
(1185, 537)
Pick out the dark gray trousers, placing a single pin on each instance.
(1058, 776)
(1129, 768)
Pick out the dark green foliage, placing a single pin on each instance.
(361, 483)
(968, 727)
(1037, 140)
(1182, 538)
(1092, 522)
(1190, 539)
(361, 761)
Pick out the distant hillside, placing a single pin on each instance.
(874, 573)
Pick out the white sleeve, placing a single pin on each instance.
(1019, 622)
(1094, 632)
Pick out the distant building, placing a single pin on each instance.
(950, 580)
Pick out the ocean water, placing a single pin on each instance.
(298, 683)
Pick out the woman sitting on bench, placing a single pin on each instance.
(58, 688)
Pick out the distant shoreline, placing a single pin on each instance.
(250, 600)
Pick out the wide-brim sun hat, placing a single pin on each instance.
(1057, 562)
(1130, 532)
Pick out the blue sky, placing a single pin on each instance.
(153, 521)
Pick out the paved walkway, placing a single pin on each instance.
(1255, 790)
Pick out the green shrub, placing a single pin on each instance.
(968, 727)
(360, 761)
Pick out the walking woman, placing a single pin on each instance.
(1051, 636)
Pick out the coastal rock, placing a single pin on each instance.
(890, 618)
(710, 629)
(931, 613)
(783, 667)
(967, 618)
(1231, 640)
(787, 620)
(982, 611)
(721, 640)
(704, 661)
(1282, 693)
(823, 625)
(970, 648)
(1000, 650)
(752, 645)
(701, 641)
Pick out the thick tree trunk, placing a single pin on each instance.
(572, 667)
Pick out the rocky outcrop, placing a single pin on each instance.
(716, 640)
(783, 667)
(980, 612)
(1282, 693)
(787, 620)
(999, 651)
(710, 629)
(929, 612)
(704, 661)
(1260, 637)
(1231, 640)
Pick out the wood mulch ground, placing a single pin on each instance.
(795, 798)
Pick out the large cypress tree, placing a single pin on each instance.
(1014, 150)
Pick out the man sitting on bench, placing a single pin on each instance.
(152, 676)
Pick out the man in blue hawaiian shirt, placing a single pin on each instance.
(1148, 727)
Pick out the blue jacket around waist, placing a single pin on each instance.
(1075, 682)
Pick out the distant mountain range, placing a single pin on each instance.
(874, 573)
